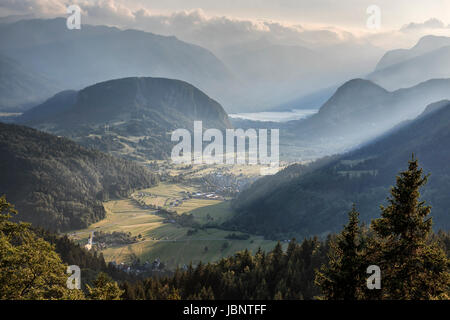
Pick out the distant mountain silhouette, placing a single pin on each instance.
(21, 88)
(274, 73)
(74, 59)
(424, 45)
(428, 59)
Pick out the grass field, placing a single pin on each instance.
(169, 241)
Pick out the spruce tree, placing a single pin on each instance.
(343, 278)
(411, 266)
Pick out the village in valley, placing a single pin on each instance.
(175, 223)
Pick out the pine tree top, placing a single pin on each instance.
(405, 216)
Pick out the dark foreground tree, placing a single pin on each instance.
(412, 267)
(343, 277)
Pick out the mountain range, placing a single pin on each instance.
(258, 74)
(273, 73)
(74, 59)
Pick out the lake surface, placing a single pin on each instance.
(282, 116)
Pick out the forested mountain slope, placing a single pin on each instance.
(59, 185)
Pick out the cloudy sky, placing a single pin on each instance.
(314, 22)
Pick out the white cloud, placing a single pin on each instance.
(430, 24)
(39, 7)
(218, 31)
(107, 12)
(189, 25)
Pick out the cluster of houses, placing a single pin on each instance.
(186, 195)
(207, 196)
(224, 184)
(215, 186)
(137, 268)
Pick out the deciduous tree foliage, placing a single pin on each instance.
(29, 266)
(104, 288)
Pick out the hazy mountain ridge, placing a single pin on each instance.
(20, 87)
(59, 185)
(275, 74)
(258, 75)
(431, 108)
(74, 59)
(424, 45)
(428, 59)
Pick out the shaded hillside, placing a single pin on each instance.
(59, 103)
(316, 202)
(76, 59)
(59, 185)
(130, 117)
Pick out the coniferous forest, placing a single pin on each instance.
(58, 184)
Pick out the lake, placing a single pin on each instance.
(279, 116)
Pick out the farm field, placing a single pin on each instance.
(164, 194)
